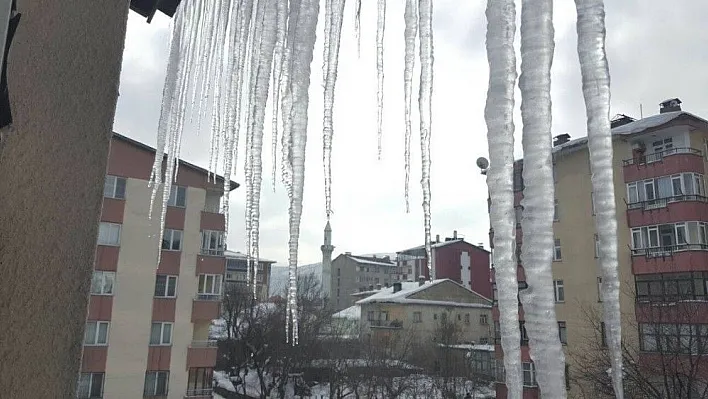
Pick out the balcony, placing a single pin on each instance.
(393, 324)
(662, 163)
(206, 307)
(202, 354)
(204, 393)
(677, 208)
(212, 221)
(670, 259)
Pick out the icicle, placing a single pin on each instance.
(410, 33)
(537, 48)
(357, 27)
(282, 18)
(425, 15)
(380, 28)
(335, 31)
(499, 116)
(596, 90)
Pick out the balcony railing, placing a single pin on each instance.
(395, 324)
(198, 393)
(663, 202)
(211, 343)
(208, 297)
(212, 252)
(667, 250)
(659, 156)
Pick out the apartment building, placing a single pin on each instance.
(237, 272)
(662, 211)
(453, 258)
(357, 273)
(147, 325)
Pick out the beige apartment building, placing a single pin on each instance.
(147, 325)
(237, 273)
(662, 211)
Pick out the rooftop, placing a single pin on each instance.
(386, 295)
(239, 255)
(412, 251)
(374, 260)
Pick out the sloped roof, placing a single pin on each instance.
(408, 289)
(239, 255)
(375, 261)
(351, 313)
(438, 245)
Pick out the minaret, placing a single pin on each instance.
(327, 249)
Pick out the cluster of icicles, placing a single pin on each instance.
(232, 56)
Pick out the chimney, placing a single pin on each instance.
(561, 139)
(348, 253)
(437, 238)
(620, 119)
(421, 280)
(378, 287)
(481, 245)
(670, 105)
(454, 234)
(396, 287)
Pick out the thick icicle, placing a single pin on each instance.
(331, 64)
(537, 48)
(299, 86)
(596, 90)
(380, 29)
(499, 115)
(425, 16)
(282, 18)
(410, 33)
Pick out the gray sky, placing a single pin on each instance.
(657, 50)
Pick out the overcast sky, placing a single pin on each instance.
(657, 49)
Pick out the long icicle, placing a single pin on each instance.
(282, 26)
(410, 33)
(380, 29)
(332, 63)
(425, 24)
(537, 47)
(357, 27)
(499, 116)
(300, 83)
(596, 90)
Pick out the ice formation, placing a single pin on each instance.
(410, 33)
(498, 113)
(380, 28)
(596, 90)
(425, 30)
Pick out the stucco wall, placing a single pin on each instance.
(63, 78)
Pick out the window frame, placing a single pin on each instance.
(202, 282)
(173, 199)
(155, 391)
(528, 367)
(563, 332)
(417, 317)
(556, 211)
(97, 332)
(599, 289)
(558, 289)
(103, 280)
(109, 225)
(557, 250)
(168, 236)
(91, 382)
(162, 325)
(111, 185)
(483, 319)
(168, 278)
(206, 237)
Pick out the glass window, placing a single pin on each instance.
(161, 333)
(90, 386)
(529, 375)
(165, 286)
(556, 215)
(592, 200)
(417, 317)
(562, 332)
(199, 380)
(467, 319)
(178, 196)
(599, 289)
(518, 213)
(156, 383)
(648, 336)
(688, 183)
(676, 185)
(172, 240)
(96, 333)
(559, 290)
(212, 242)
(209, 285)
(597, 246)
(102, 282)
(681, 234)
(637, 238)
(114, 187)
(524, 335)
(649, 191)
(557, 250)
(482, 319)
(109, 234)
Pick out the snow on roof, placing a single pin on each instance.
(351, 313)
(472, 347)
(386, 295)
(367, 261)
(239, 255)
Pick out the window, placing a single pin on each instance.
(497, 333)
(156, 383)
(443, 317)
(435, 316)
(559, 290)
(178, 196)
(96, 333)
(592, 202)
(518, 214)
(370, 316)
(199, 381)
(663, 145)
(495, 293)
(109, 234)
(459, 317)
(114, 187)
(482, 319)
(603, 334)
(557, 250)
(417, 317)
(161, 333)
(632, 193)
(523, 334)
(529, 374)
(102, 282)
(172, 240)
(165, 286)
(467, 318)
(597, 246)
(666, 287)
(90, 386)
(555, 210)
(209, 286)
(562, 333)
(212, 242)
(599, 289)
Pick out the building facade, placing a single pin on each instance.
(453, 258)
(237, 273)
(354, 273)
(147, 325)
(662, 211)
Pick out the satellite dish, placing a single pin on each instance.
(482, 163)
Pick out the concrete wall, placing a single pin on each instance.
(63, 75)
